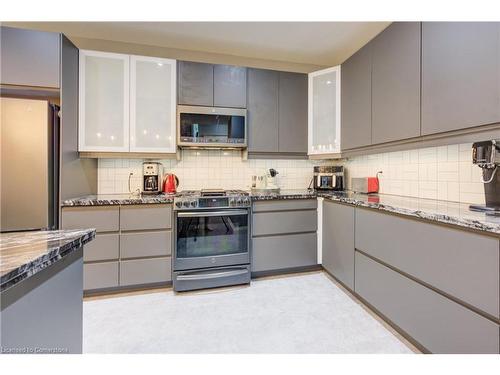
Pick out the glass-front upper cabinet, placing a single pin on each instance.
(103, 102)
(152, 104)
(324, 112)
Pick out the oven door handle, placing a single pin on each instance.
(212, 213)
(214, 275)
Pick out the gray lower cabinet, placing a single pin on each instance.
(105, 246)
(284, 234)
(338, 241)
(396, 83)
(462, 264)
(460, 75)
(356, 103)
(434, 321)
(30, 58)
(100, 275)
(145, 244)
(292, 112)
(44, 313)
(195, 83)
(230, 86)
(282, 222)
(146, 217)
(281, 252)
(133, 244)
(103, 219)
(145, 271)
(262, 110)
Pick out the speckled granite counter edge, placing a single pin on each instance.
(283, 196)
(52, 256)
(428, 216)
(80, 202)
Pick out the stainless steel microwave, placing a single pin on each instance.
(211, 127)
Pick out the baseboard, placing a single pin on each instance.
(285, 271)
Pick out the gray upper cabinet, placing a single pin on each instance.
(262, 106)
(212, 85)
(292, 110)
(338, 242)
(460, 75)
(196, 83)
(230, 86)
(30, 58)
(356, 100)
(396, 83)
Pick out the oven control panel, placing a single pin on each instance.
(190, 203)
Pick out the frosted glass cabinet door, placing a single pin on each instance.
(103, 102)
(152, 104)
(324, 111)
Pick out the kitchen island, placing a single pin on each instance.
(41, 291)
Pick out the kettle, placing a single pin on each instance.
(170, 183)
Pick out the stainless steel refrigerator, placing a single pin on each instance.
(29, 164)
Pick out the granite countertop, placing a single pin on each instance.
(445, 212)
(452, 213)
(116, 199)
(23, 254)
(284, 194)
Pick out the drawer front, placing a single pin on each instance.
(146, 217)
(145, 271)
(462, 264)
(279, 252)
(103, 247)
(100, 275)
(145, 244)
(437, 323)
(266, 223)
(285, 205)
(338, 241)
(103, 219)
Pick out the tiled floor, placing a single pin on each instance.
(302, 313)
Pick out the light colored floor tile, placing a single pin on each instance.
(305, 313)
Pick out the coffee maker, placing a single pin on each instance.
(486, 155)
(152, 176)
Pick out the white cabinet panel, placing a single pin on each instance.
(152, 104)
(104, 102)
(324, 111)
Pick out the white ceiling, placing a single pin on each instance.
(318, 43)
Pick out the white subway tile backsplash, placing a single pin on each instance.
(206, 169)
(444, 172)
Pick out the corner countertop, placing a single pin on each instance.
(118, 199)
(445, 212)
(23, 254)
(451, 213)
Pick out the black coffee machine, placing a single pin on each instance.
(487, 156)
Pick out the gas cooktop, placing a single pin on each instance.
(211, 198)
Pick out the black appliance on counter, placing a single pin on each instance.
(487, 156)
(212, 239)
(329, 177)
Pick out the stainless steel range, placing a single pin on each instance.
(212, 239)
